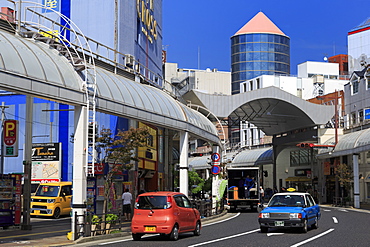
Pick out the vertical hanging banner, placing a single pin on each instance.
(10, 138)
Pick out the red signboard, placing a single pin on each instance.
(45, 180)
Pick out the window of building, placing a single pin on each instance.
(368, 157)
(361, 116)
(250, 85)
(258, 83)
(244, 87)
(300, 157)
(353, 118)
(355, 86)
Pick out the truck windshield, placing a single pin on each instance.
(287, 201)
(48, 191)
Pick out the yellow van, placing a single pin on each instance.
(52, 199)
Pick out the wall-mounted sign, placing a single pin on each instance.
(46, 162)
(145, 10)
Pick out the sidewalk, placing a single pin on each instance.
(34, 237)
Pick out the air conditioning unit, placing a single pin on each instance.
(129, 59)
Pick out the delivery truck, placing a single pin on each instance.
(243, 188)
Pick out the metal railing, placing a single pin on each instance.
(85, 226)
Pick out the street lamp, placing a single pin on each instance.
(336, 117)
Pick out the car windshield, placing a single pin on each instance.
(287, 201)
(152, 202)
(46, 190)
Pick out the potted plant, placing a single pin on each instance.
(95, 220)
(110, 219)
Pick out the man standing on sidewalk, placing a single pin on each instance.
(126, 204)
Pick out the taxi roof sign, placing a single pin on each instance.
(291, 189)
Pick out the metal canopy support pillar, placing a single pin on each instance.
(27, 165)
(184, 167)
(356, 182)
(79, 164)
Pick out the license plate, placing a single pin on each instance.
(36, 211)
(150, 228)
(279, 223)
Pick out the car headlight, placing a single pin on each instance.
(264, 215)
(50, 200)
(295, 215)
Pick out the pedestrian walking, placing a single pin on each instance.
(126, 204)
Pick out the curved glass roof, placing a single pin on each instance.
(36, 60)
(252, 157)
(33, 67)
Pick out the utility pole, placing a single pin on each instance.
(2, 136)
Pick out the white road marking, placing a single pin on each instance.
(335, 220)
(151, 235)
(221, 239)
(327, 210)
(343, 210)
(129, 239)
(313, 238)
(222, 220)
(274, 233)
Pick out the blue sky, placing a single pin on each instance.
(202, 28)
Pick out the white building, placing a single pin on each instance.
(209, 81)
(314, 79)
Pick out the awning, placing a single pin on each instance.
(253, 157)
(200, 163)
(298, 179)
(355, 142)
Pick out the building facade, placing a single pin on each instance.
(359, 46)
(258, 48)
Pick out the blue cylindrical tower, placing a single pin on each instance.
(258, 48)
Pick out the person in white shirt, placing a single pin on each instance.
(126, 204)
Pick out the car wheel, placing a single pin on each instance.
(264, 229)
(316, 224)
(197, 229)
(174, 235)
(56, 214)
(136, 237)
(304, 229)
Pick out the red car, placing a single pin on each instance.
(164, 212)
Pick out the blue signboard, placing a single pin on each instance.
(367, 114)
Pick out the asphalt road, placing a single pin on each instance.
(337, 227)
